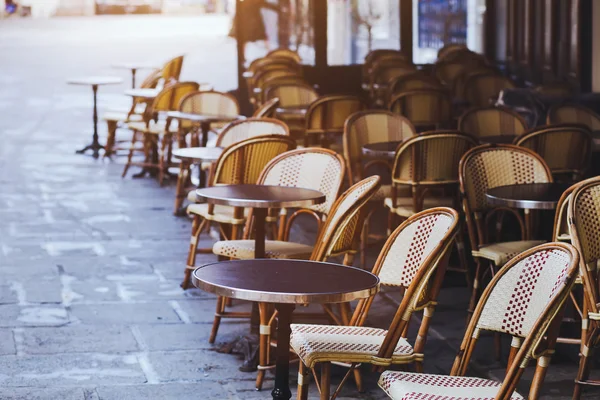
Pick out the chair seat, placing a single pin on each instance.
(413, 386)
(244, 249)
(155, 128)
(500, 253)
(404, 205)
(318, 343)
(221, 214)
(119, 116)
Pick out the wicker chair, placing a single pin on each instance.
(428, 164)
(425, 108)
(172, 69)
(376, 55)
(458, 85)
(277, 81)
(481, 87)
(567, 149)
(413, 258)
(326, 117)
(486, 167)
(414, 81)
(240, 163)
(492, 121)
(157, 136)
(267, 109)
(209, 103)
(265, 75)
(574, 114)
(449, 48)
(235, 132)
(366, 127)
(523, 300)
(115, 118)
(285, 53)
(337, 236)
(583, 217)
(382, 73)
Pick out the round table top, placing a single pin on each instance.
(198, 153)
(286, 281)
(95, 80)
(498, 139)
(543, 196)
(142, 93)
(134, 65)
(260, 196)
(295, 110)
(382, 149)
(202, 117)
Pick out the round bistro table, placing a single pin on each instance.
(285, 283)
(385, 150)
(260, 198)
(188, 156)
(532, 196)
(94, 82)
(204, 120)
(133, 67)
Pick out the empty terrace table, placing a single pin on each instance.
(532, 196)
(133, 67)
(188, 156)
(386, 150)
(204, 120)
(285, 283)
(94, 82)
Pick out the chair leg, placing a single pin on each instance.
(462, 256)
(475, 291)
(325, 380)
(182, 179)
(162, 158)
(391, 222)
(130, 155)
(584, 364)
(197, 226)
(538, 377)
(110, 138)
(364, 237)
(358, 380)
(263, 343)
(303, 377)
(217, 321)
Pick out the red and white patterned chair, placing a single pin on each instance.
(413, 258)
(522, 300)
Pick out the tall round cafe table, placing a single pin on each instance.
(285, 283)
(94, 82)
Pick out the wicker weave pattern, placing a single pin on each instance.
(329, 113)
(244, 249)
(292, 95)
(412, 386)
(171, 96)
(172, 69)
(412, 246)
(586, 212)
(498, 166)
(574, 114)
(492, 121)
(524, 292)
(311, 170)
(314, 343)
(423, 107)
(242, 130)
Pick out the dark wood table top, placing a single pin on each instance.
(543, 196)
(203, 117)
(198, 154)
(286, 281)
(260, 196)
(497, 139)
(382, 149)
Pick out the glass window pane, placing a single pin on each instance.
(355, 27)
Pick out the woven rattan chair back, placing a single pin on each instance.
(458, 85)
(480, 88)
(414, 81)
(489, 166)
(265, 75)
(375, 56)
(309, 168)
(170, 98)
(267, 109)
(261, 63)
(523, 300)
(574, 114)
(328, 114)
(424, 108)
(343, 226)
(285, 53)
(492, 121)
(151, 80)
(291, 95)
(449, 48)
(242, 162)
(560, 232)
(244, 129)
(372, 126)
(567, 149)
(209, 103)
(172, 69)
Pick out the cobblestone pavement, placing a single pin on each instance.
(90, 304)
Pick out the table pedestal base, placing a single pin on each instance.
(94, 146)
(282, 368)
